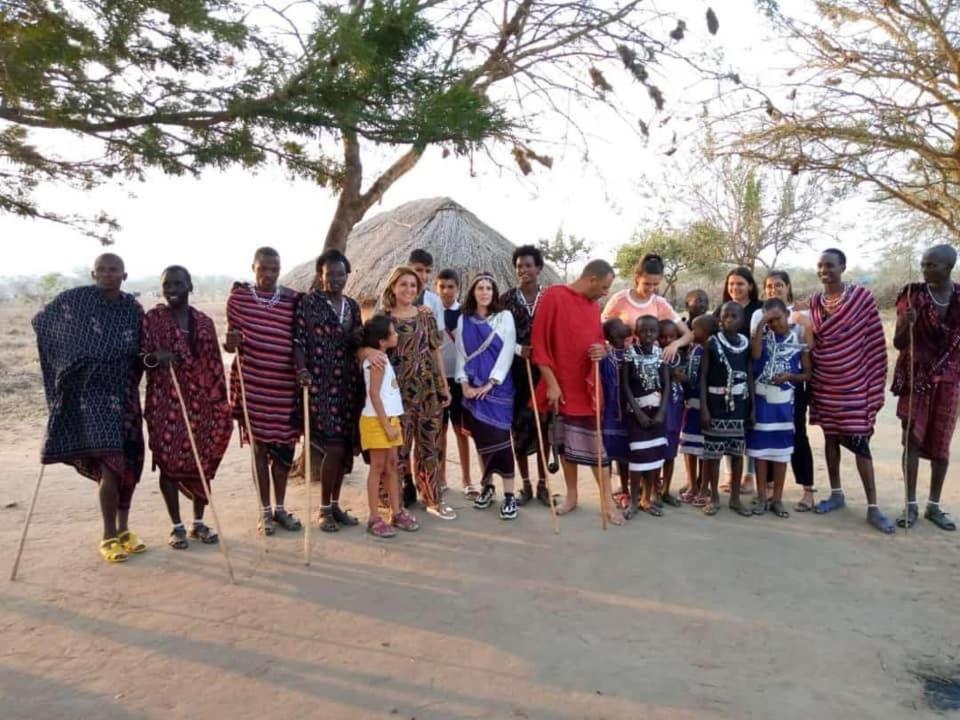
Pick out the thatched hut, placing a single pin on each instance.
(455, 237)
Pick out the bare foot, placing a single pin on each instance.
(566, 507)
(615, 517)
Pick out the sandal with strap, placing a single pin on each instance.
(668, 499)
(343, 517)
(940, 518)
(327, 523)
(265, 525)
(652, 510)
(543, 495)
(834, 502)
(204, 534)
(880, 521)
(112, 551)
(710, 508)
(287, 520)
(379, 528)
(131, 542)
(738, 508)
(777, 508)
(405, 521)
(525, 495)
(908, 522)
(178, 538)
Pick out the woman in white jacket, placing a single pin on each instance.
(486, 342)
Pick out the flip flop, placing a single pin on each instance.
(740, 509)
(699, 501)
(652, 510)
(940, 518)
(670, 500)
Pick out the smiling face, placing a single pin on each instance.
(731, 317)
(776, 287)
(646, 285)
(108, 273)
(527, 271)
(266, 272)
(830, 269)
(738, 289)
(647, 331)
(333, 277)
(483, 294)
(176, 287)
(406, 289)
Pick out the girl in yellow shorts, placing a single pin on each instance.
(380, 430)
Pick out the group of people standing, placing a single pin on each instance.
(527, 373)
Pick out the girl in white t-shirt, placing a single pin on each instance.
(380, 432)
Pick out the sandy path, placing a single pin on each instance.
(678, 617)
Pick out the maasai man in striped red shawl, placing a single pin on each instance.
(260, 327)
(89, 344)
(931, 310)
(180, 335)
(849, 377)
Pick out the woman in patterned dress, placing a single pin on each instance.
(423, 385)
(326, 333)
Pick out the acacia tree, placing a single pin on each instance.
(692, 248)
(180, 86)
(875, 100)
(563, 250)
(184, 85)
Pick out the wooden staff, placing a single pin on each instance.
(543, 453)
(26, 526)
(906, 437)
(596, 413)
(203, 476)
(307, 471)
(254, 473)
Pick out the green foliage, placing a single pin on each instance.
(563, 250)
(181, 85)
(694, 248)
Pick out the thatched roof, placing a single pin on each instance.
(452, 234)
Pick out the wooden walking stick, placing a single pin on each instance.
(596, 413)
(203, 475)
(26, 525)
(250, 440)
(307, 472)
(906, 436)
(543, 452)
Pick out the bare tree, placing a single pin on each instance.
(874, 100)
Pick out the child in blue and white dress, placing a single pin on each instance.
(779, 361)
(691, 433)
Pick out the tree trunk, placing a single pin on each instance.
(354, 204)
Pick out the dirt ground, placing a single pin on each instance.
(678, 617)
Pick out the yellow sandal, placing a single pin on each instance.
(112, 551)
(131, 542)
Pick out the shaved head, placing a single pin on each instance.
(111, 258)
(946, 254)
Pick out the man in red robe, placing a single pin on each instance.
(567, 340)
(929, 404)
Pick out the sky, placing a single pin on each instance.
(212, 224)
